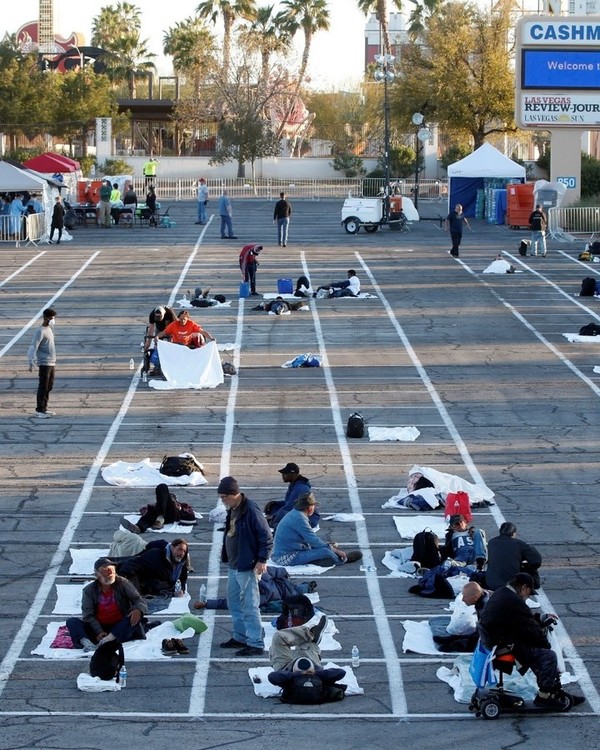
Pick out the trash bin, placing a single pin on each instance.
(285, 286)
(245, 289)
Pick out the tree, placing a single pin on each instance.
(230, 11)
(117, 30)
(459, 74)
(82, 96)
(192, 47)
(266, 35)
(380, 8)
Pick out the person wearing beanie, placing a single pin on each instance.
(247, 545)
(508, 555)
(42, 353)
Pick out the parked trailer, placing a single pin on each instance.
(369, 213)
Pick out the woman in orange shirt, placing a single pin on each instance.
(184, 331)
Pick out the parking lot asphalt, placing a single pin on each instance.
(477, 363)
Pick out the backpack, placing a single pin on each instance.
(585, 255)
(524, 247)
(591, 329)
(426, 549)
(594, 247)
(588, 287)
(295, 610)
(308, 689)
(433, 585)
(107, 660)
(355, 428)
(458, 502)
(179, 466)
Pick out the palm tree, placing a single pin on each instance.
(192, 47)
(419, 15)
(230, 10)
(380, 8)
(266, 35)
(310, 16)
(130, 61)
(113, 22)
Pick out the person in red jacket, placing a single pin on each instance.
(249, 264)
(185, 331)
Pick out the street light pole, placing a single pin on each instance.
(385, 73)
(422, 134)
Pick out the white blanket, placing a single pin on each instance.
(409, 526)
(344, 517)
(168, 528)
(575, 338)
(445, 483)
(148, 650)
(188, 368)
(418, 638)
(500, 266)
(68, 601)
(88, 684)
(406, 434)
(264, 689)
(84, 559)
(399, 562)
(146, 474)
(303, 570)
(186, 304)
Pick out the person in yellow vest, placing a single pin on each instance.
(150, 167)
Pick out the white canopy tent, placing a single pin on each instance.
(466, 177)
(14, 180)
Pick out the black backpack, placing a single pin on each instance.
(524, 247)
(591, 329)
(426, 549)
(308, 689)
(179, 466)
(588, 287)
(356, 426)
(107, 660)
(295, 610)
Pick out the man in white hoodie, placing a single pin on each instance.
(43, 354)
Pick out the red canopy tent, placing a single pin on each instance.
(51, 163)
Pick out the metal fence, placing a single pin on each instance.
(574, 220)
(269, 188)
(17, 229)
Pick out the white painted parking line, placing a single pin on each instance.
(49, 302)
(20, 270)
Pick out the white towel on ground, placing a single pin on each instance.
(409, 526)
(88, 684)
(84, 559)
(146, 474)
(405, 434)
(68, 601)
(186, 304)
(344, 517)
(168, 528)
(399, 562)
(188, 368)
(264, 689)
(303, 570)
(418, 638)
(148, 650)
(575, 338)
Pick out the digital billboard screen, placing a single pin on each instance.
(557, 69)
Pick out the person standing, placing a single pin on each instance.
(247, 545)
(42, 353)
(538, 222)
(249, 264)
(151, 205)
(150, 167)
(202, 200)
(455, 221)
(281, 217)
(226, 212)
(58, 219)
(105, 216)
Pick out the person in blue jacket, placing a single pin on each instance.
(275, 510)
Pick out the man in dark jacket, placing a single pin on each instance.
(159, 571)
(58, 220)
(298, 485)
(281, 217)
(508, 556)
(507, 621)
(247, 545)
(111, 608)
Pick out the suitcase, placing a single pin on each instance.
(285, 286)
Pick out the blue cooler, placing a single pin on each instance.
(285, 286)
(245, 289)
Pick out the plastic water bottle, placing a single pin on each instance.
(177, 588)
(145, 377)
(202, 593)
(123, 677)
(131, 364)
(355, 657)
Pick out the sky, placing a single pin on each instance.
(337, 56)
